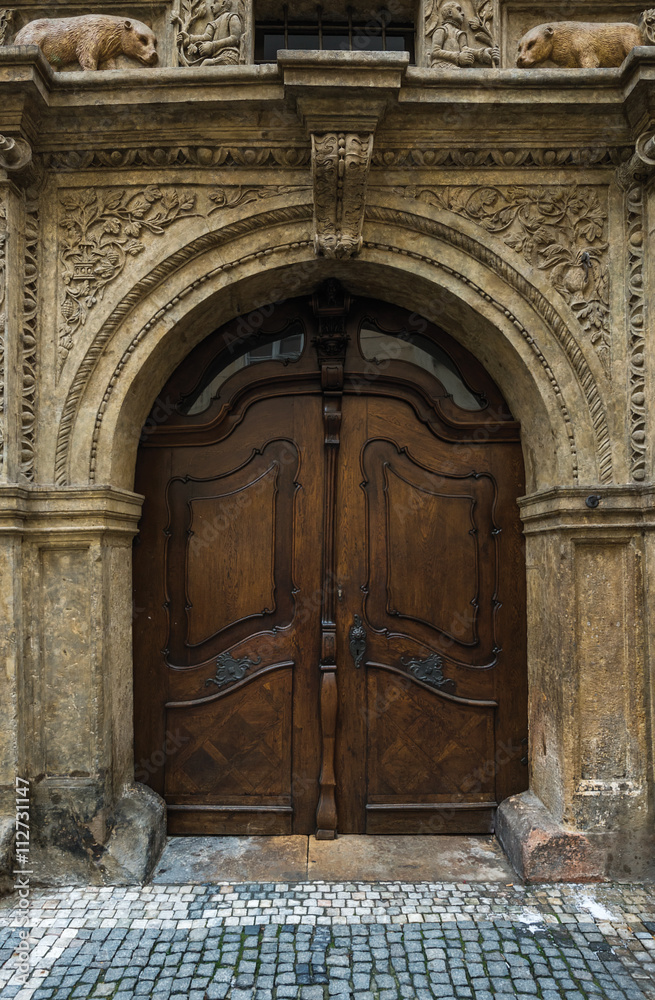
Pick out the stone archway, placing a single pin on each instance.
(495, 308)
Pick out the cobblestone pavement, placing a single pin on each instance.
(315, 941)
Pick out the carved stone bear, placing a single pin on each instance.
(90, 39)
(578, 44)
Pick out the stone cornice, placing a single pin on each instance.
(68, 513)
(590, 509)
(549, 107)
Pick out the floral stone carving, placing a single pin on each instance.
(451, 34)
(221, 42)
(561, 231)
(102, 231)
(340, 166)
(90, 40)
(6, 21)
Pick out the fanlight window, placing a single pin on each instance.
(423, 352)
(286, 350)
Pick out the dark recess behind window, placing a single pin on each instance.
(352, 34)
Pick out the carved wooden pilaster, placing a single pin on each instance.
(330, 307)
(340, 166)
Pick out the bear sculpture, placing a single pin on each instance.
(90, 39)
(579, 44)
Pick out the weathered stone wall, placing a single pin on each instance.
(508, 207)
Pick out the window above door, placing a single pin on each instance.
(338, 26)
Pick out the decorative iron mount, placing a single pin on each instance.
(429, 671)
(229, 669)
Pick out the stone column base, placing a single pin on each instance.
(70, 850)
(540, 849)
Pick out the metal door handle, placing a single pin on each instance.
(357, 643)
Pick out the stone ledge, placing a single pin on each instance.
(540, 849)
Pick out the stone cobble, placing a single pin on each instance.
(317, 941)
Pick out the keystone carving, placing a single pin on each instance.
(450, 33)
(340, 166)
(90, 40)
(222, 35)
(584, 44)
(559, 230)
(15, 154)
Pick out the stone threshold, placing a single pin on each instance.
(349, 858)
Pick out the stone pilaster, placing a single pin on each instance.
(588, 556)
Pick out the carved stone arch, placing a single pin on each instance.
(245, 266)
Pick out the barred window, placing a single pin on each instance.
(348, 31)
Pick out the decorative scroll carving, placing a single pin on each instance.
(90, 40)
(15, 154)
(3, 328)
(340, 165)
(229, 669)
(180, 156)
(450, 33)
(559, 230)
(102, 230)
(430, 156)
(6, 21)
(357, 641)
(632, 177)
(221, 38)
(429, 671)
(29, 337)
(580, 44)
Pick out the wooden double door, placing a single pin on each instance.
(329, 580)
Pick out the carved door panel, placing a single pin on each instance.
(329, 583)
(429, 541)
(226, 559)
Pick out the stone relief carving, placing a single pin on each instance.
(632, 177)
(220, 42)
(3, 328)
(15, 154)
(180, 156)
(91, 40)
(30, 331)
(103, 229)
(6, 22)
(543, 306)
(340, 166)
(441, 157)
(559, 230)
(450, 34)
(584, 44)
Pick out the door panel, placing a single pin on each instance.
(329, 582)
(225, 578)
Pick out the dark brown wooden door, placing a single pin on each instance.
(329, 581)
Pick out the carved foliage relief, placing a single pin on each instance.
(561, 231)
(3, 327)
(30, 334)
(340, 166)
(101, 230)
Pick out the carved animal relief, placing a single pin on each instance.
(560, 231)
(91, 40)
(584, 44)
(211, 32)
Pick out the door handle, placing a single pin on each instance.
(357, 641)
